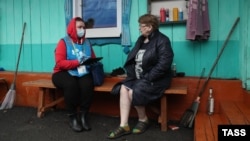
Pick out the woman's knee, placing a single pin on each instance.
(123, 89)
(126, 93)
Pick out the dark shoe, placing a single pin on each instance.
(140, 127)
(74, 123)
(84, 121)
(120, 131)
(117, 71)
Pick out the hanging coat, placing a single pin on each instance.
(198, 24)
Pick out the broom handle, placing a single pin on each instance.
(19, 53)
(218, 57)
(198, 85)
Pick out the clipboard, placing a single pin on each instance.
(91, 60)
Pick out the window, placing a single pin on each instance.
(103, 17)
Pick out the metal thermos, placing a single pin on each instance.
(210, 102)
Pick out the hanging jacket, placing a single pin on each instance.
(198, 24)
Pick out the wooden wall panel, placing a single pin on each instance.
(46, 25)
(9, 33)
(245, 43)
(248, 44)
(3, 18)
(45, 22)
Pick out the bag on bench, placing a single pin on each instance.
(97, 73)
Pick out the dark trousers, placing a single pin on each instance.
(77, 91)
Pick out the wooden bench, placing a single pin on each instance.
(46, 86)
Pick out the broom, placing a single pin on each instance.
(11, 94)
(189, 115)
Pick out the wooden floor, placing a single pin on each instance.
(231, 113)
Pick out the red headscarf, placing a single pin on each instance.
(71, 31)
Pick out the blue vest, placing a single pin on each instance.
(76, 52)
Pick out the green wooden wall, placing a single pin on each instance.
(46, 25)
(245, 43)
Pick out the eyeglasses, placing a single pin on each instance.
(142, 25)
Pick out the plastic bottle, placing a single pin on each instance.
(162, 15)
(175, 14)
(210, 102)
(180, 16)
(167, 14)
(174, 70)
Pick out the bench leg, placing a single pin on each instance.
(163, 115)
(52, 93)
(5, 83)
(40, 102)
(42, 106)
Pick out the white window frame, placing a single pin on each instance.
(100, 32)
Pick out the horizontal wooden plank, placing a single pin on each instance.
(209, 130)
(200, 131)
(245, 110)
(43, 83)
(176, 90)
(106, 87)
(206, 126)
(233, 113)
(215, 120)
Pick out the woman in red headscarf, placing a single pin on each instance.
(72, 77)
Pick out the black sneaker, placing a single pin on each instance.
(118, 71)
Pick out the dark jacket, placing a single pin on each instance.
(156, 65)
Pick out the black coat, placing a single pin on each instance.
(156, 65)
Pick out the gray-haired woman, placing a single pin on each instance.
(148, 68)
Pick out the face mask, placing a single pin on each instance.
(80, 32)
